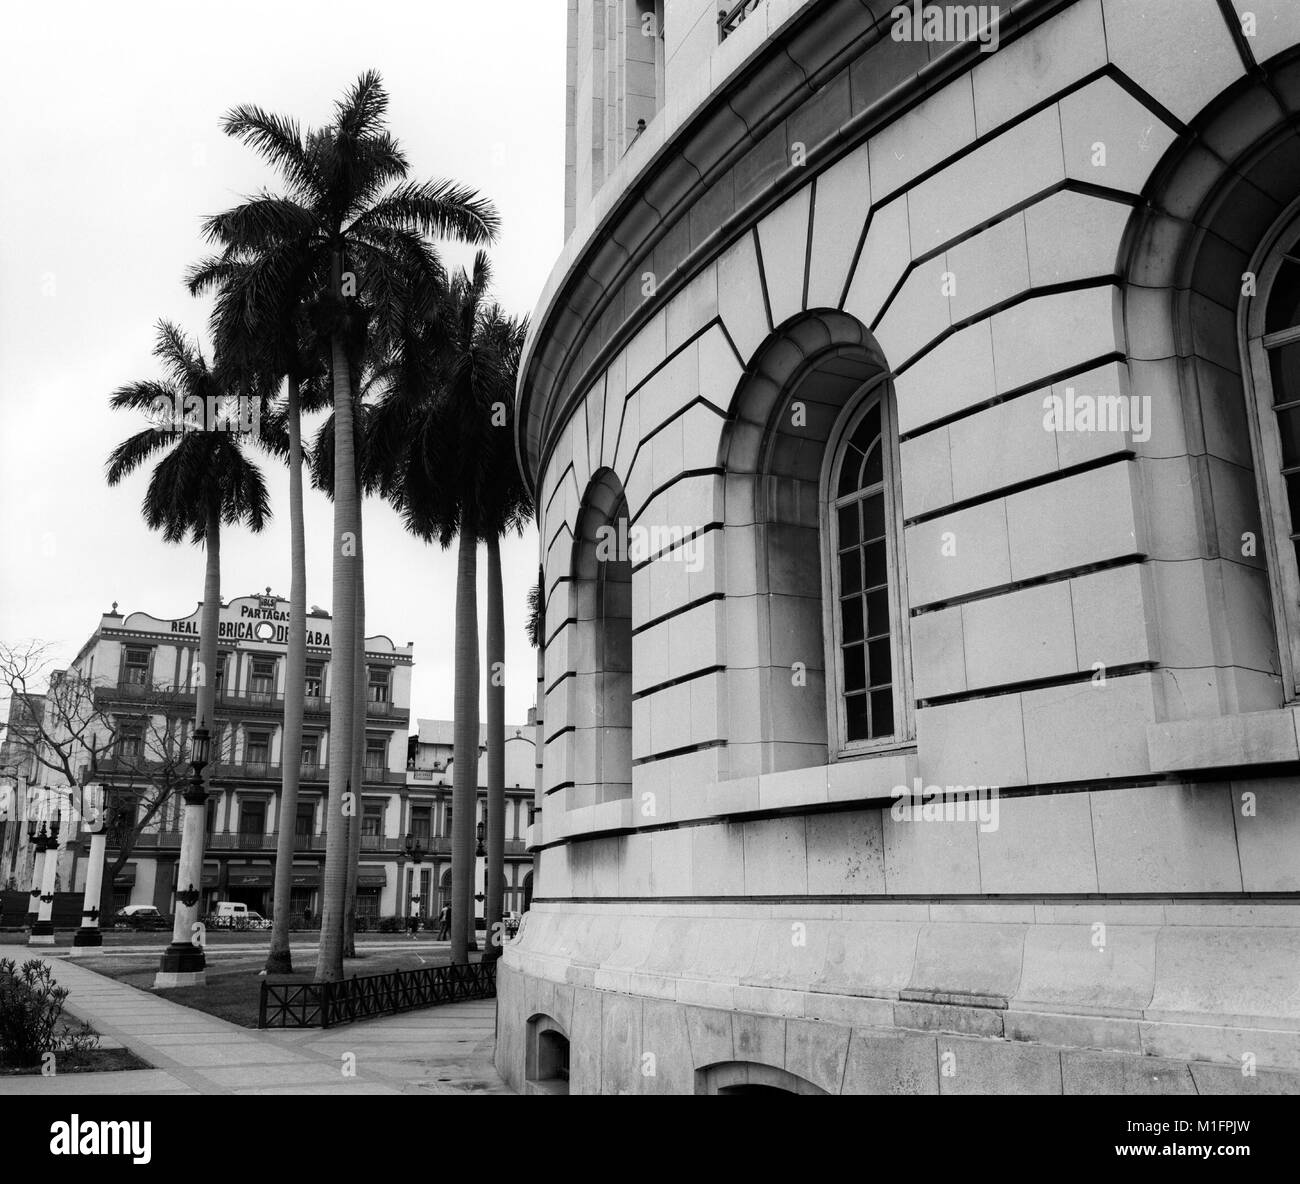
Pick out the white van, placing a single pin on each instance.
(230, 914)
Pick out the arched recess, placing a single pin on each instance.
(1187, 302)
(600, 654)
(796, 396)
(750, 1077)
(546, 1056)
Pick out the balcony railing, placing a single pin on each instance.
(383, 709)
(729, 19)
(158, 838)
(250, 698)
(381, 843)
(129, 689)
(247, 770)
(242, 841)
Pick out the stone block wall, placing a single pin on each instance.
(998, 238)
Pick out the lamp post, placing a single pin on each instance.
(89, 934)
(36, 841)
(480, 862)
(183, 963)
(42, 933)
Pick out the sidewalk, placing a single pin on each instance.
(439, 1050)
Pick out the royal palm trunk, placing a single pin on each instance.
(280, 961)
(329, 964)
(464, 777)
(496, 752)
(359, 698)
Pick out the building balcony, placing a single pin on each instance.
(136, 764)
(386, 710)
(161, 692)
(242, 842)
(274, 771)
(246, 770)
(158, 840)
(245, 699)
(170, 840)
(381, 843)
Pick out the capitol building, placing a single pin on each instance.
(941, 734)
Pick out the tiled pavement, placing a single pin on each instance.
(440, 1050)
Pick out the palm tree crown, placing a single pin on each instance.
(205, 472)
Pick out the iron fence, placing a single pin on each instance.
(323, 1005)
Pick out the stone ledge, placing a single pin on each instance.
(1229, 741)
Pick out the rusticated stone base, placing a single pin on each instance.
(984, 1001)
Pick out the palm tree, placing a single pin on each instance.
(323, 478)
(444, 449)
(258, 341)
(348, 230)
(204, 480)
(505, 506)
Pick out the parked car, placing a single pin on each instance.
(141, 916)
(257, 921)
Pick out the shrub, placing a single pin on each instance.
(31, 1008)
(392, 924)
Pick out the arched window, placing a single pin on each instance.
(599, 709)
(1273, 347)
(861, 532)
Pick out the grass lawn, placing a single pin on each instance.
(234, 985)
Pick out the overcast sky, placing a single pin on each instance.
(111, 154)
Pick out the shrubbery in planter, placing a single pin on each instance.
(31, 1008)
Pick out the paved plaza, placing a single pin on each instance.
(438, 1050)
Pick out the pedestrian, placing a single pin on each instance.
(414, 920)
(444, 922)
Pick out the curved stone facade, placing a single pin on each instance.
(905, 416)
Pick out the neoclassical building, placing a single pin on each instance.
(914, 420)
(139, 671)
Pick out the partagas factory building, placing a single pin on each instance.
(143, 671)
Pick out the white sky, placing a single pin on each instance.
(110, 154)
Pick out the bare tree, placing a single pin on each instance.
(75, 732)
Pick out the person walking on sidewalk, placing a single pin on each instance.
(444, 922)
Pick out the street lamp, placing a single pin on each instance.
(183, 963)
(42, 933)
(480, 852)
(36, 841)
(89, 934)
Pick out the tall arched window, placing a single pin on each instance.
(599, 707)
(1272, 326)
(862, 530)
